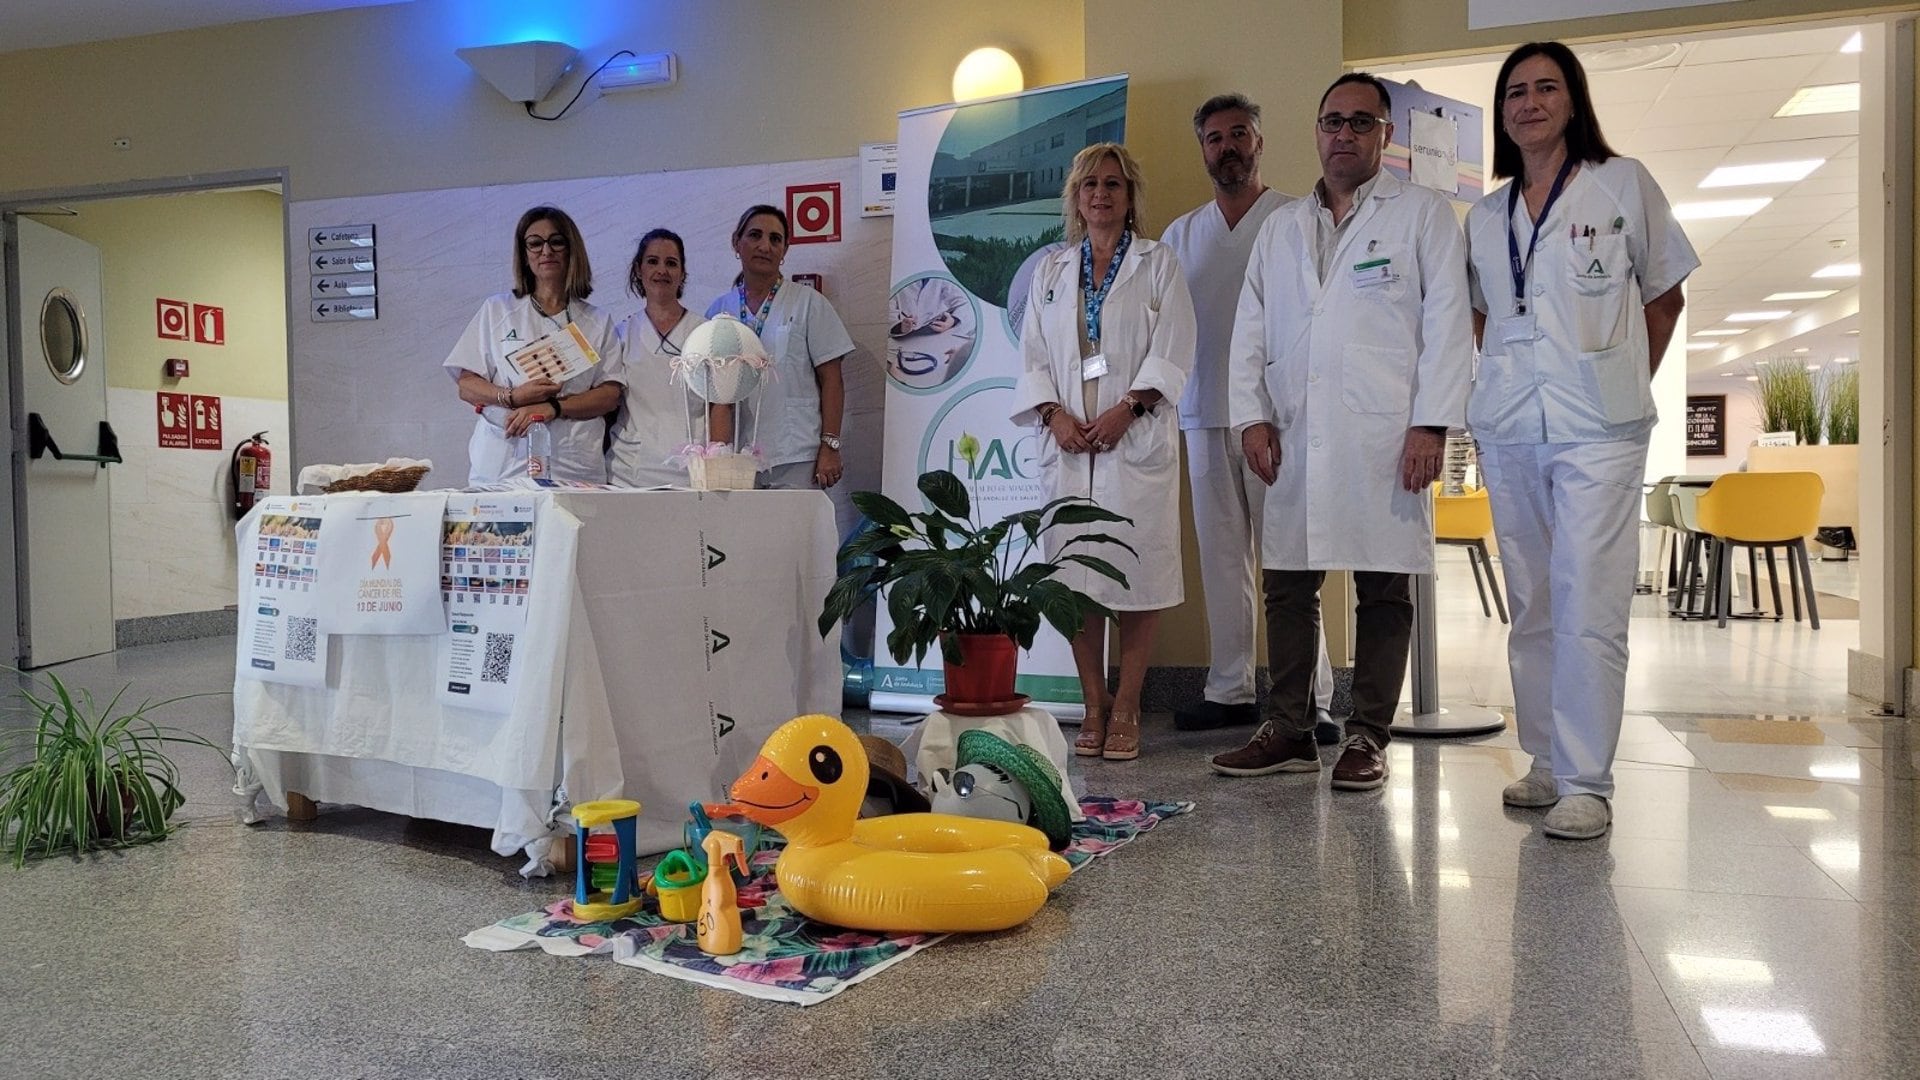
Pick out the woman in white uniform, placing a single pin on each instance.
(551, 283)
(657, 409)
(1577, 267)
(799, 409)
(1108, 339)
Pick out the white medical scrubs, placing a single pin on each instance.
(1228, 499)
(657, 409)
(1147, 338)
(1562, 409)
(802, 332)
(506, 324)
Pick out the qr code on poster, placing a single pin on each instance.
(499, 658)
(302, 640)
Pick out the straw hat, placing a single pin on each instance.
(887, 777)
(1035, 773)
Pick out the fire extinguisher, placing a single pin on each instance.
(252, 473)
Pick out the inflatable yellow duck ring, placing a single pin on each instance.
(902, 873)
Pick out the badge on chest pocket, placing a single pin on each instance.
(1372, 274)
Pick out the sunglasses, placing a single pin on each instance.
(1361, 123)
(558, 242)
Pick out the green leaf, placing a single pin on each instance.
(945, 491)
(1085, 513)
(847, 594)
(1061, 607)
(883, 511)
(1099, 566)
(1098, 538)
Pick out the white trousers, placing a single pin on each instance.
(1566, 516)
(1227, 503)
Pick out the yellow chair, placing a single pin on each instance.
(1764, 511)
(1466, 521)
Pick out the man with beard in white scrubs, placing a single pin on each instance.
(1352, 350)
(1212, 244)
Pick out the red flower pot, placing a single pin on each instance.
(985, 674)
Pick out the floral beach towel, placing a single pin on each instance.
(784, 956)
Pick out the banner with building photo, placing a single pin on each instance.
(978, 202)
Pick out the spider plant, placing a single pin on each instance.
(91, 777)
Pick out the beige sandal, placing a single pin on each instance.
(1123, 741)
(1093, 735)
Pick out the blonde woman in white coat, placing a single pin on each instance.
(1108, 339)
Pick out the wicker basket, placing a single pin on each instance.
(392, 481)
(722, 472)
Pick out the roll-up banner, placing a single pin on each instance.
(978, 204)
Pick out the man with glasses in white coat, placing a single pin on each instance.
(1351, 355)
(1212, 243)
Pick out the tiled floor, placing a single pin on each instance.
(1753, 914)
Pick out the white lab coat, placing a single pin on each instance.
(1147, 335)
(506, 324)
(1584, 376)
(657, 409)
(1345, 368)
(802, 332)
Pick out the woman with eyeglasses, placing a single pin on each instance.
(799, 409)
(654, 416)
(1576, 266)
(551, 282)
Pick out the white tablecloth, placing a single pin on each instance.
(668, 633)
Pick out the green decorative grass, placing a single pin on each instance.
(985, 266)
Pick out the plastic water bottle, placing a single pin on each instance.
(539, 451)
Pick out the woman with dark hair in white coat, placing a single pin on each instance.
(1577, 266)
(551, 282)
(1108, 339)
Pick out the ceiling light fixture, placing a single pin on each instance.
(1717, 333)
(1718, 208)
(1820, 100)
(1778, 172)
(1701, 346)
(1853, 44)
(1809, 294)
(1838, 270)
(1757, 316)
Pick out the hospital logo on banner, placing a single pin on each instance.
(972, 438)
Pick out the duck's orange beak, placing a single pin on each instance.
(768, 795)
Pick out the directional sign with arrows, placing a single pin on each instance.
(351, 310)
(342, 285)
(340, 263)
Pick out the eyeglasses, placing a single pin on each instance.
(556, 242)
(1361, 123)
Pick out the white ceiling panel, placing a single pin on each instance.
(1824, 40)
(1692, 83)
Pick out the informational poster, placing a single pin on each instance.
(281, 639)
(978, 204)
(1435, 145)
(558, 356)
(1706, 425)
(486, 567)
(381, 564)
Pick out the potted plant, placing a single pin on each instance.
(976, 589)
(92, 778)
(1789, 399)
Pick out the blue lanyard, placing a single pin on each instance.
(1095, 300)
(1513, 246)
(757, 320)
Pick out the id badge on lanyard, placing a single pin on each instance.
(1518, 265)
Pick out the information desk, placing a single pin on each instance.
(667, 634)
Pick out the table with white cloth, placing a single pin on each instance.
(668, 633)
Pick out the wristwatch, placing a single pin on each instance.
(832, 441)
(1139, 407)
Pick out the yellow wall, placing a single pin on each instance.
(1409, 29)
(373, 100)
(1177, 56)
(219, 248)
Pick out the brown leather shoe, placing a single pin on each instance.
(1269, 752)
(1362, 765)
